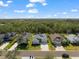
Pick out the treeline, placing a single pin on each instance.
(39, 26)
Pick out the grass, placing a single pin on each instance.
(72, 48)
(12, 42)
(51, 47)
(30, 47)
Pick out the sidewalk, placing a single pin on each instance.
(27, 58)
(74, 57)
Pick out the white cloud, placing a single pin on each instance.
(9, 1)
(33, 10)
(30, 5)
(19, 11)
(2, 4)
(64, 13)
(55, 15)
(74, 10)
(34, 1)
(44, 4)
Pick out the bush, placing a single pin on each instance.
(65, 42)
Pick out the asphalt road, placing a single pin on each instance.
(47, 53)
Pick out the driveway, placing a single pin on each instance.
(13, 47)
(4, 45)
(59, 48)
(44, 47)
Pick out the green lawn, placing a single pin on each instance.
(51, 47)
(30, 47)
(72, 48)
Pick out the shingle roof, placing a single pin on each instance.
(54, 36)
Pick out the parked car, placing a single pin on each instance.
(65, 55)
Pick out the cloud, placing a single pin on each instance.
(33, 10)
(64, 13)
(55, 15)
(30, 5)
(9, 1)
(74, 10)
(19, 11)
(34, 1)
(2, 4)
(43, 2)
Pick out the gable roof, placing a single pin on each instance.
(54, 36)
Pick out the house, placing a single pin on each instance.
(35, 42)
(7, 37)
(41, 37)
(12, 34)
(71, 38)
(56, 39)
(23, 40)
(74, 39)
(26, 35)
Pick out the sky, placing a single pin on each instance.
(39, 9)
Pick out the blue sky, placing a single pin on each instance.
(39, 8)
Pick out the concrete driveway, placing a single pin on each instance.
(59, 48)
(58, 58)
(44, 47)
(4, 45)
(13, 47)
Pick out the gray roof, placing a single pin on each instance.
(73, 38)
(35, 41)
(41, 37)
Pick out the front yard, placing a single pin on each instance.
(72, 48)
